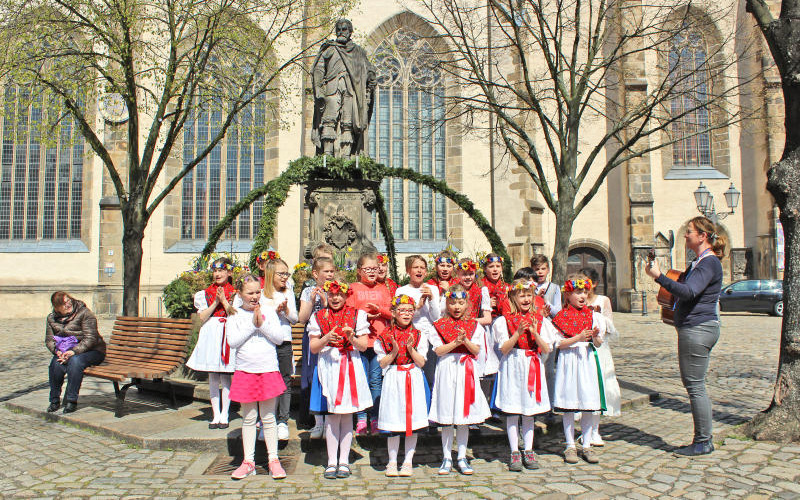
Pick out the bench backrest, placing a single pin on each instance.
(156, 342)
(298, 331)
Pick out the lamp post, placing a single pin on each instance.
(705, 202)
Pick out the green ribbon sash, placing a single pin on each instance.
(599, 378)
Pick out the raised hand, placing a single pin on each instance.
(348, 333)
(283, 307)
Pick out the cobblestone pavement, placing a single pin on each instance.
(43, 459)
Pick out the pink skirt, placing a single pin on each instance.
(252, 387)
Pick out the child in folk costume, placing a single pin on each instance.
(579, 380)
(257, 382)
(479, 304)
(373, 298)
(313, 299)
(213, 353)
(444, 267)
(551, 293)
(523, 335)
(602, 305)
(401, 352)
(338, 334)
(383, 274)
(279, 297)
(456, 396)
(426, 297)
(498, 299)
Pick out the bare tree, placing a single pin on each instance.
(781, 421)
(567, 84)
(164, 61)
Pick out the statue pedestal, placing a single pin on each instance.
(340, 214)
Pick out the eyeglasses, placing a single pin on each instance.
(405, 310)
(283, 275)
(370, 269)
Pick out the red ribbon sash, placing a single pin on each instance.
(225, 349)
(469, 381)
(409, 394)
(534, 380)
(347, 371)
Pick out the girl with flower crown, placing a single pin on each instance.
(401, 353)
(523, 334)
(456, 398)
(497, 289)
(444, 266)
(579, 377)
(338, 334)
(212, 353)
(383, 274)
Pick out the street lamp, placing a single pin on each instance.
(705, 202)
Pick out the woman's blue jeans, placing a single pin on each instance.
(73, 370)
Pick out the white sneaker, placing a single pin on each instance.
(283, 431)
(316, 432)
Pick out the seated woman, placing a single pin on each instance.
(73, 339)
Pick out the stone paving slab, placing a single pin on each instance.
(42, 459)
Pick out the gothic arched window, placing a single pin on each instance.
(231, 170)
(41, 179)
(407, 130)
(689, 73)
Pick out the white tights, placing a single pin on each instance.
(462, 435)
(589, 425)
(339, 437)
(393, 443)
(512, 429)
(250, 413)
(214, 380)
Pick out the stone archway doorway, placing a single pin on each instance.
(582, 257)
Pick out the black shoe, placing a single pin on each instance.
(695, 449)
(70, 407)
(223, 425)
(213, 426)
(53, 407)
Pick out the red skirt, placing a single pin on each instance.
(253, 387)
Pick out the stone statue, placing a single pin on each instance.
(344, 88)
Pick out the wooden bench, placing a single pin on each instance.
(143, 348)
(298, 331)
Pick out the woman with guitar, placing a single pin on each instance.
(696, 319)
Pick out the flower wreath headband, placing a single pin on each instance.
(445, 260)
(401, 300)
(572, 285)
(488, 260)
(382, 259)
(336, 287)
(523, 285)
(221, 265)
(267, 255)
(455, 295)
(468, 265)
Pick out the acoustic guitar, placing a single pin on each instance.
(665, 299)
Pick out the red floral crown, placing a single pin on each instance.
(382, 259)
(572, 285)
(336, 287)
(267, 255)
(468, 265)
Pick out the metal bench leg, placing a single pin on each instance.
(120, 393)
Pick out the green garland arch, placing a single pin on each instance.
(306, 168)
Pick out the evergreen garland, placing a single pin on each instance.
(306, 168)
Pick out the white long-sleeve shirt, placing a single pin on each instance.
(255, 347)
(428, 313)
(288, 318)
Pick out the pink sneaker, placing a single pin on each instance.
(246, 469)
(373, 427)
(276, 470)
(361, 427)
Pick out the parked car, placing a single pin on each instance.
(753, 296)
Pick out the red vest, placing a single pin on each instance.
(526, 340)
(499, 291)
(328, 319)
(571, 321)
(448, 329)
(211, 294)
(403, 336)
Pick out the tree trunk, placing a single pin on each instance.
(564, 221)
(781, 421)
(133, 233)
